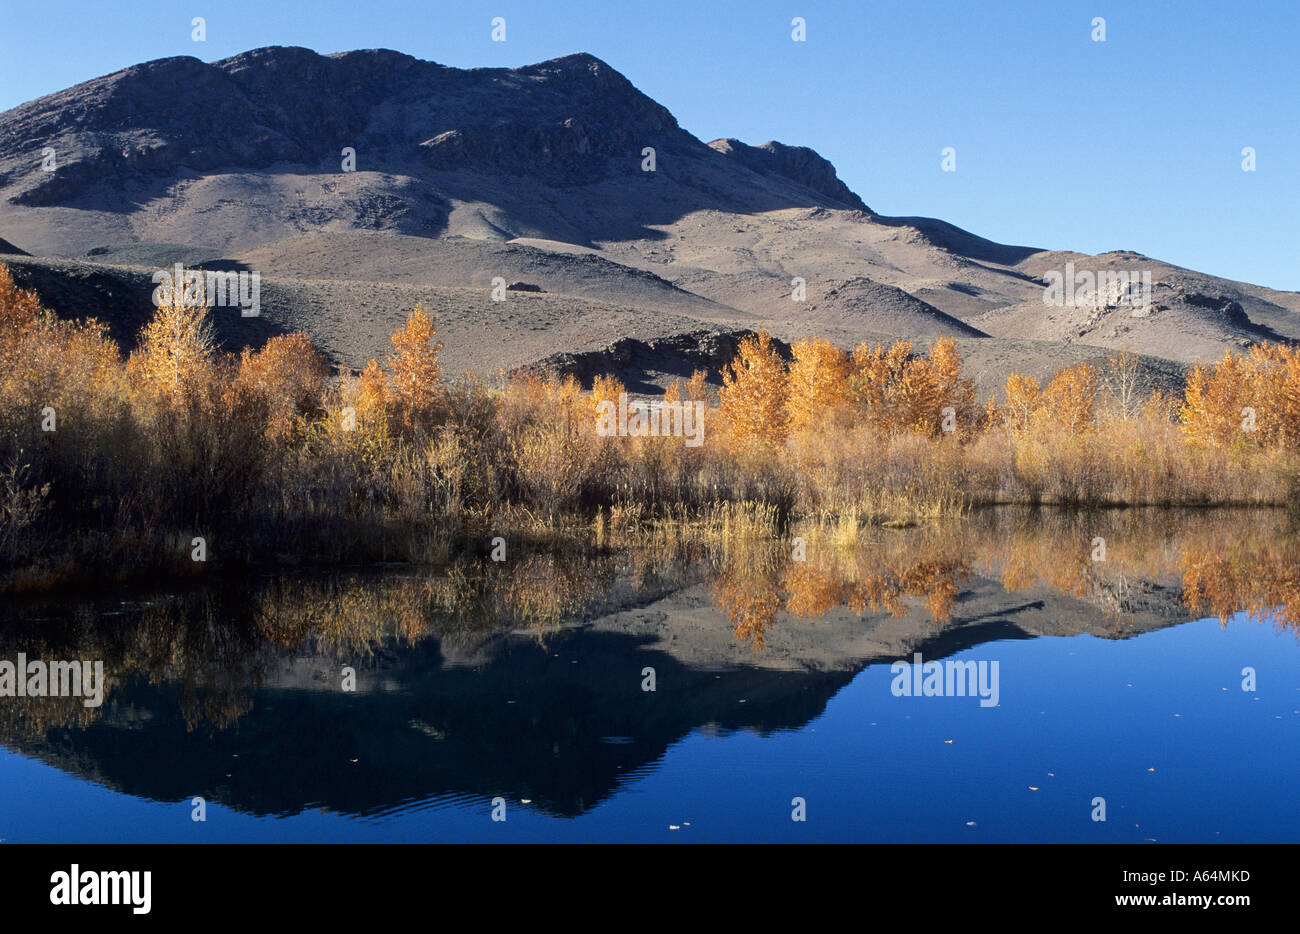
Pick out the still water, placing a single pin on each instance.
(1156, 678)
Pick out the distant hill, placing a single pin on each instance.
(535, 177)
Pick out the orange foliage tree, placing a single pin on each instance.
(69, 367)
(1215, 401)
(752, 401)
(417, 392)
(19, 308)
(1070, 399)
(818, 383)
(877, 374)
(952, 388)
(1255, 398)
(289, 372)
(898, 391)
(1023, 395)
(176, 349)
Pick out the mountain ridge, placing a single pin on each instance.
(561, 175)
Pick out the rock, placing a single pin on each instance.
(797, 163)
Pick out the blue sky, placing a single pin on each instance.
(1061, 142)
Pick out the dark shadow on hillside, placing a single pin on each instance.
(121, 297)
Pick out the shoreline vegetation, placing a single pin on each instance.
(1122, 573)
(177, 457)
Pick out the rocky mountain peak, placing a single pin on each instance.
(797, 163)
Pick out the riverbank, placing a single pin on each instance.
(161, 462)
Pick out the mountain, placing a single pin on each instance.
(360, 182)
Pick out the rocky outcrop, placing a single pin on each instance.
(797, 163)
(632, 360)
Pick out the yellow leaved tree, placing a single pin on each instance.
(289, 373)
(176, 349)
(953, 390)
(752, 400)
(875, 382)
(818, 383)
(1217, 401)
(1023, 396)
(417, 393)
(1069, 401)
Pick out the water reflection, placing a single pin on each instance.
(1118, 561)
(487, 676)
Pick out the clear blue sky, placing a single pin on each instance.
(1062, 142)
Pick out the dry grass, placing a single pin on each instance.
(268, 460)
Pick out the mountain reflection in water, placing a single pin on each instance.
(527, 677)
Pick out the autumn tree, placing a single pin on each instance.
(697, 387)
(69, 371)
(1255, 398)
(19, 309)
(896, 390)
(604, 388)
(916, 400)
(952, 388)
(176, 348)
(1273, 374)
(371, 394)
(1215, 402)
(1070, 398)
(818, 382)
(416, 391)
(875, 383)
(46, 353)
(290, 373)
(1023, 395)
(752, 401)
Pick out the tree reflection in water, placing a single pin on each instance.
(215, 647)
